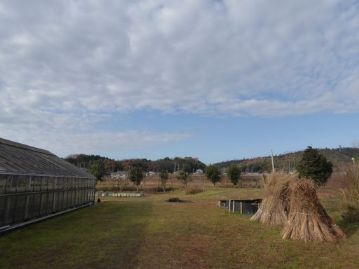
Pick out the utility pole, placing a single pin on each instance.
(354, 166)
(273, 169)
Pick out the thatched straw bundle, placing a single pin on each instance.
(274, 207)
(307, 219)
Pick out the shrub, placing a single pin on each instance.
(174, 200)
(351, 213)
(194, 190)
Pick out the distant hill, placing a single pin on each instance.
(287, 162)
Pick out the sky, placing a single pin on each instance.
(217, 80)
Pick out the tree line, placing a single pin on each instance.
(100, 166)
(312, 165)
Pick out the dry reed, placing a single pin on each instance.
(274, 207)
(307, 219)
(351, 194)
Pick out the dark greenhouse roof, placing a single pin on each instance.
(16, 158)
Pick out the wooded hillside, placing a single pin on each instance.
(288, 161)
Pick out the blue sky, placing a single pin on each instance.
(215, 139)
(216, 80)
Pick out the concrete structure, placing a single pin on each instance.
(198, 172)
(119, 194)
(118, 175)
(248, 206)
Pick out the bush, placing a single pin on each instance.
(315, 166)
(194, 190)
(351, 214)
(174, 200)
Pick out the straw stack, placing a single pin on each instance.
(274, 207)
(307, 219)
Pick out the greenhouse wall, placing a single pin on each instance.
(29, 197)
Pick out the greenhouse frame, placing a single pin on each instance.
(36, 184)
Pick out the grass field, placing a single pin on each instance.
(152, 233)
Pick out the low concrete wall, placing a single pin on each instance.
(241, 206)
(119, 194)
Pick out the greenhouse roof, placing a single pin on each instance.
(16, 158)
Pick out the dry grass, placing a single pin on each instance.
(307, 219)
(274, 207)
(351, 194)
(194, 190)
(151, 233)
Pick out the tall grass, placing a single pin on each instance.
(351, 193)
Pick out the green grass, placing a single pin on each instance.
(151, 233)
(107, 234)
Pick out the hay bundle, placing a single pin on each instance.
(274, 207)
(307, 219)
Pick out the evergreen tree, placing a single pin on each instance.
(234, 173)
(135, 174)
(213, 174)
(315, 166)
(97, 169)
(164, 178)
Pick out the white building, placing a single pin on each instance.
(199, 172)
(118, 175)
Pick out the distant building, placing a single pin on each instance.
(198, 172)
(118, 175)
(150, 173)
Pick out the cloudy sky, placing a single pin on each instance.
(206, 78)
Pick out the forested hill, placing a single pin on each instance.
(288, 162)
(108, 165)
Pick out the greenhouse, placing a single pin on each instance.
(35, 184)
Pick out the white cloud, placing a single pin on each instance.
(195, 56)
(66, 142)
(68, 63)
